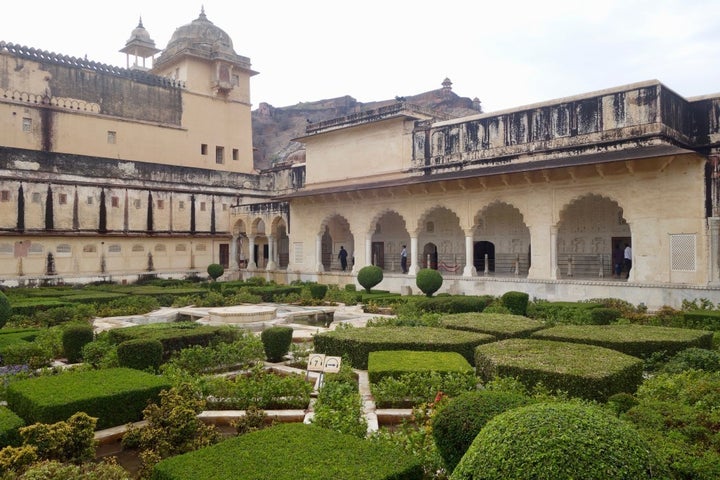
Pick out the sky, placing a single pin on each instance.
(507, 53)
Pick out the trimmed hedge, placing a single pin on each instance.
(702, 319)
(74, 338)
(369, 276)
(175, 336)
(276, 342)
(395, 363)
(289, 452)
(115, 396)
(632, 339)
(17, 335)
(577, 313)
(451, 303)
(5, 309)
(584, 371)
(499, 325)
(455, 427)
(557, 441)
(357, 343)
(10, 425)
(140, 354)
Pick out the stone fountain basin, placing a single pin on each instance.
(242, 314)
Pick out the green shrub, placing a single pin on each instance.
(339, 407)
(5, 309)
(10, 425)
(603, 316)
(422, 387)
(74, 338)
(350, 287)
(455, 427)
(140, 354)
(573, 313)
(100, 353)
(701, 319)
(428, 281)
(357, 343)
(516, 302)
(694, 359)
(369, 276)
(65, 441)
(584, 371)
(276, 341)
(291, 451)
(54, 470)
(215, 270)
(242, 353)
(677, 413)
(557, 441)
(30, 354)
(318, 290)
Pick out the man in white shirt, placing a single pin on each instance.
(627, 254)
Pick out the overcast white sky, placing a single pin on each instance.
(508, 53)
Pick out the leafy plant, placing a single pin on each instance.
(140, 354)
(369, 276)
(276, 341)
(5, 309)
(215, 270)
(74, 338)
(428, 281)
(339, 408)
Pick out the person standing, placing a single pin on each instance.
(342, 255)
(627, 254)
(618, 260)
(403, 259)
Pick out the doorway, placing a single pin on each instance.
(378, 254)
(480, 249)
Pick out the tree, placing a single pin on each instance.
(429, 281)
(370, 276)
(215, 270)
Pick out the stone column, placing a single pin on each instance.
(272, 264)
(318, 254)
(368, 250)
(233, 254)
(714, 256)
(553, 252)
(469, 270)
(413, 268)
(251, 253)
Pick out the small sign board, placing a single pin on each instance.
(332, 364)
(316, 362)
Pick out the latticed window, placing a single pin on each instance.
(682, 252)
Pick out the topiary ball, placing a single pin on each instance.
(369, 276)
(455, 427)
(215, 270)
(557, 441)
(429, 281)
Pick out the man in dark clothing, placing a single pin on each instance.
(342, 255)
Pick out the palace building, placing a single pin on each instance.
(111, 173)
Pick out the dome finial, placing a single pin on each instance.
(140, 25)
(202, 12)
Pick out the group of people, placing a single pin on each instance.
(622, 261)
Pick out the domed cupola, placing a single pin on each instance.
(140, 45)
(202, 40)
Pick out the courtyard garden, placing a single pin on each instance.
(429, 387)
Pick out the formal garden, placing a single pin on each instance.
(431, 386)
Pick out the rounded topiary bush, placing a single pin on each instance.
(276, 342)
(74, 338)
(215, 270)
(369, 276)
(318, 290)
(557, 441)
(429, 281)
(455, 427)
(140, 354)
(5, 309)
(516, 302)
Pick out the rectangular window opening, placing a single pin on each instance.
(235, 154)
(111, 137)
(219, 154)
(203, 149)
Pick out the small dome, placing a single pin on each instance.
(139, 34)
(201, 38)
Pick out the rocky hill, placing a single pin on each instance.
(274, 128)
